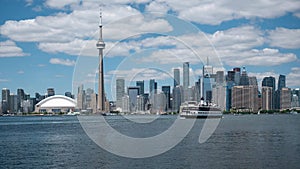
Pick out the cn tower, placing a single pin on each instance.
(100, 46)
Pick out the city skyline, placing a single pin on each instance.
(40, 43)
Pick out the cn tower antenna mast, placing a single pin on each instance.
(100, 46)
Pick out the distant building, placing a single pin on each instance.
(267, 98)
(120, 91)
(244, 80)
(219, 96)
(176, 77)
(177, 98)
(133, 92)
(220, 77)
(55, 104)
(270, 82)
(237, 75)
(281, 82)
(285, 98)
(5, 102)
(167, 92)
(50, 92)
(245, 98)
(141, 85)
(140, 105)
(186, 75)
(125, 104)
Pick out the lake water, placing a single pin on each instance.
(246, 141)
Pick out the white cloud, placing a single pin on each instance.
(284, 38)
(59, 76)
(215, 12)
(4, 80)
(293, 78)
(10, 49)
(64, 62)
(20, 72)
(61, 4)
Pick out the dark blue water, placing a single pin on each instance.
(248, 141)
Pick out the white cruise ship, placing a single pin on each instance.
(193, 109)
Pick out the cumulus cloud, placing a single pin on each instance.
(10, 49)
(65, 62)
(215, 12)
(284, 38)
(293, 78)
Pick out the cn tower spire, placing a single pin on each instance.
(100, 46)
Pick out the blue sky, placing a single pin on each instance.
(51, 43)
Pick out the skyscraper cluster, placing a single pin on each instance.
(21, 102)
(234, 91)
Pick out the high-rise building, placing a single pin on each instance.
(167, 91)
(81, 98)
(198, 90)
(220, 77)
(244, 80)
(152, 86)
(281, 82)
(125, 104)
(230, 76)
(5, 102)
(141, 85)
(295, 101)
(219, 96)
(237, 75)
(50, 92)
(252, 80)
(140, 105)
(267, 97)
(176, 77)
(285, 98)
(177, 98)
(101, 92)
(207, 70)
(269, 82)
(186, 75)
(245, 98)
(120, 91)
(133, 92)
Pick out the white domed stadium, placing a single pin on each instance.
(56, 104)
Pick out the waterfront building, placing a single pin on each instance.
(167, 92)
(81, 98)
(140, 105)
(219, 96)
(125, 104)
(285, 98)
(267, 98)
(54, 104)
(281, 84)
(245, 98)
(198, 90)
(5, 102)
(295, 101)
(176, 77)
(133, 92)
(120, 91)
(177, 98)
(270, 82)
